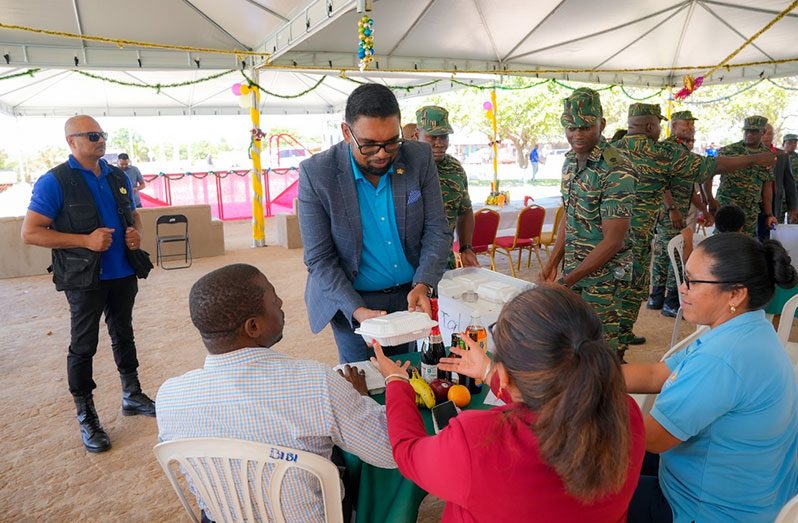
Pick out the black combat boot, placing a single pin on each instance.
(656, 299)
(671, 306)
(135, 402)
(95, 439)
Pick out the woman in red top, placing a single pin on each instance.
(567, 447)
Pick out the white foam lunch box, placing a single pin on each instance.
(396, 328)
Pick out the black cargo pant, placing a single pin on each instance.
(115, 298)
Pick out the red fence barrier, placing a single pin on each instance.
(229, 193)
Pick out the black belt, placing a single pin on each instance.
(405, 287)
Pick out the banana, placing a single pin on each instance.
(424, 395)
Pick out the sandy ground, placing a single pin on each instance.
(47, 475)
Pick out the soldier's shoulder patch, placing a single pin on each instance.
(612, 155)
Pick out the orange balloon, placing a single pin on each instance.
(459, 395)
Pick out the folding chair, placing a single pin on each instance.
(486, 224)
(547, 239)
(527, 236)
(177, 224)
(228, 475)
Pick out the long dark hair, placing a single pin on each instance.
(745, 261)
(551, 343)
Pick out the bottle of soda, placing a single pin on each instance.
(432, 351)
(477, 332)
(467, 381)
(456, 342)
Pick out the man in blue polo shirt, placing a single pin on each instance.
(76, 210)
(375, 234)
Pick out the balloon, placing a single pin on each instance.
(236, 88)
(361, 53)
(489, 115)
(245, 89)
(487, 106)
(367, 31)
(244, 101)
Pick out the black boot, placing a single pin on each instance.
(134, 401)
(656, 298)
(95, 439)
(671, 306)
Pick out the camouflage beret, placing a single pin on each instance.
(755, 123)
(788, 137)
(581, 109)
(646, 110)
(682, 115)
(434, 120)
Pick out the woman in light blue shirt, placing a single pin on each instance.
(725, 423)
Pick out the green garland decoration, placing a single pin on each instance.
(690, 101)
(623, 90)
(252, 83)
(28, 72)
(769, 80)
(158, 86)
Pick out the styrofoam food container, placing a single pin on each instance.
(452, 288)
(396, 328)
(497, 292)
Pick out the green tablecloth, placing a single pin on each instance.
(384, 495)
(776, 303)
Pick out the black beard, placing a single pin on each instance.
(372, 171)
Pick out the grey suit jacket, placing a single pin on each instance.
(783, 187)
(329, 218)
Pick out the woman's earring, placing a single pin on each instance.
(732, 308)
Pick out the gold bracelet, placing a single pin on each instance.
(395, 375)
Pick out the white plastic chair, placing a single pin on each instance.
(676, 252)
(646, 401)
(785, 326)
(228, 495)
(789, 513)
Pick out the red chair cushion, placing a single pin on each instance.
(507, 242)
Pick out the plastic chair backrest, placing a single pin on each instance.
(785, 323)
(530, 222)
(789, 513)
(228, 476)
(486, 224)
(676, 252)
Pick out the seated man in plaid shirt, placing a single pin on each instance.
(248, 391)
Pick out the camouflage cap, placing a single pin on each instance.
(788, 137)
(755, 123)
(582, 108)
(646, 110)
(433, 120)
(682, 115)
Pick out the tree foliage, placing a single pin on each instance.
(130, 142)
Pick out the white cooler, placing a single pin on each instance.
(493, 290)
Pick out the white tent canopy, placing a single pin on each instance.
(600, 38)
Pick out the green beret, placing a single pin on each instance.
(788, 137)
(646, 110)
(434, 120)
(755, 123)
(682, 115)
(581, 109)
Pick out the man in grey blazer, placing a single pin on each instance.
(375, 234)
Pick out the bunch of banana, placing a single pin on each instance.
(424, 395)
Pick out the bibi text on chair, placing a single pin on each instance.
(228, 476)
(172, 229)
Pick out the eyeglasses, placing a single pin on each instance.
(688, 281)
(370, 149)
(93, 136)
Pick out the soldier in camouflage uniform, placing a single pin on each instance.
(434, 128)
(789, 146)
(749, 187)
(598, 186)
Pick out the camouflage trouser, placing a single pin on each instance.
(605, 300)
(662, 270)
(637, 291)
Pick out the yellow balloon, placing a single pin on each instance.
(244, 89)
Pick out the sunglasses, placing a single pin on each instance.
(370, 149)
(688, 281)
(93, 136)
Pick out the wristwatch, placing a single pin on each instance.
(429, 287)
(465, 247)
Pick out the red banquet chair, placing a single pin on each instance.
(486, 224)
(527, 236)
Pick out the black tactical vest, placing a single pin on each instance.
(79, 268)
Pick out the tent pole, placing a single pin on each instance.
(258, 229)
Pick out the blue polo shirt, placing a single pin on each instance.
(732, 399)
(48, 200)
(383, 263)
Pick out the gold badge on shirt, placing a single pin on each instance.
(123, 190)
(400, 171)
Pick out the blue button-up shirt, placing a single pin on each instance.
(383, 263)
(48, 200)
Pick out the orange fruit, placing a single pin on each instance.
(459, 395)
